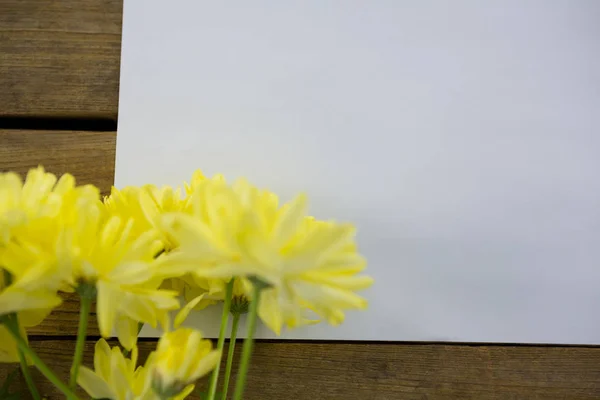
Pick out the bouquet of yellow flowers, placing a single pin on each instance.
(140, 251)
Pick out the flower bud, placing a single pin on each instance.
(181, 357)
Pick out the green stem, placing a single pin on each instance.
(84, 312)
(248, 343)
(28, 378)
(43, 368)
(230, 352)
(14, 322)
(212, 388)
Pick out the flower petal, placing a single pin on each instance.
(185, 311)
(95, 386)
(102, 359)
(127, 332)
(133, 273)
(13, 299)
(270, 311)
(107, 305)
(206, 364)
(291, 217)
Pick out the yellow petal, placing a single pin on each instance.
(270, 311)
(12, 300)
(133, 273)
(64, 184)
(175, 264)
(184, 393)
(291, 216)
(110, 232)
(102, 359)
(33, 317)
(164, 318)
(118, 368)
(95, 386)
(106, 308)
(330, 296)
(348, 282)
(206, 364)
(185, 311)
(127, 332)
(139, 308)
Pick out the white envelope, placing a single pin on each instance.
(462, 138)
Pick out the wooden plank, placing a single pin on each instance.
(89, 156)
(382, 371)
(60, 58)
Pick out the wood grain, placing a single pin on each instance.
(60, 58)
(385, 371)
(89, 156)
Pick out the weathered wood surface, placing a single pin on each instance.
(89, 156)
(385, 371)
(60, 58)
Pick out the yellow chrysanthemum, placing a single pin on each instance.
(209, 235)
(144, 205)
(314, 266)
(32, 214)
(39, 197)
(181, 358)
(102, 253)
(241, 231)
(116, 377)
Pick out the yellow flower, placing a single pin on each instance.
(117, 378)
(103, 254)
(181, 358)
(307, 264)
(20, 202)
(32, 215)
(316, 267)
(208, 237)
(239, 230)
(144, 205)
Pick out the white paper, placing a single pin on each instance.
(462, 138)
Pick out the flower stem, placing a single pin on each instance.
(212, 388)
(43, 368)
(84, 312)
(14, 322)
(248, 344)
(230, 352)
(28, 378)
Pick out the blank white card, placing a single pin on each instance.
(462, 138)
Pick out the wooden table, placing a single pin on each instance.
(59, 81)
